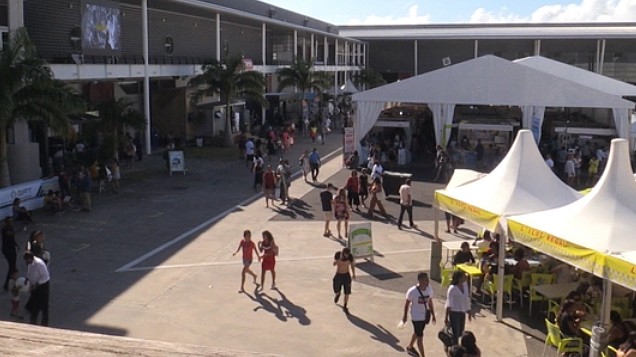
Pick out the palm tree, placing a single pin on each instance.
(302, 76)
(28, 91)
(114, 116)
(229, 81)
(367, 78)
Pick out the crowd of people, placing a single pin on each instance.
(579, 166)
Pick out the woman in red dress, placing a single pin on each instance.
(269, 251)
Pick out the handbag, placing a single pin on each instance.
(446, 336)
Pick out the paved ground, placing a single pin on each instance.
(155, 262)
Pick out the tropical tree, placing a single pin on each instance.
(302, 76)
(367, 78)
(115, 115)
(229, 80)
(28, 91)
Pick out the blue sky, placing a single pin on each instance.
(346, 12)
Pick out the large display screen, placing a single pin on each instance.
(101, 26)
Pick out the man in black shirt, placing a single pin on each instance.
(326, 198)
(9, 248)
(464, 255)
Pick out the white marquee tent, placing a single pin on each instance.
(595, 233)
(487, 80)
(586, 78)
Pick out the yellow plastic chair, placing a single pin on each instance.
(447, 276)
(490, 288)
(553, 309)
(521, 285)
(535, 280)
(609, 352)
(563, 344)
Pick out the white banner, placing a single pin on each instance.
(349, 144)
(177, 161)
(31, 194)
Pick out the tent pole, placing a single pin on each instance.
(436, 249)
(501, 270)
(599, 335)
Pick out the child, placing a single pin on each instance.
(15, 295)
(248, 247)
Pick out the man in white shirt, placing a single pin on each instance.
(38, 278)
(549, 161)
(569, 170)
(420, 300)
(406, 204)
(249, 152)
(377, 171)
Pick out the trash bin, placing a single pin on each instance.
(391, 182)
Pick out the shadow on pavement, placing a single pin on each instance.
(377, 271)
(281, 307)
(378, 332)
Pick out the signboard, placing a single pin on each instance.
(349, 144)
(177, 162)
(31, 194)
(360, 240)
(536, 128)
(248, 64)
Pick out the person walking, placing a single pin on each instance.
(341, 211)
(363, 191)
(314, 164)
(9, 249)
(38, 278)
(458, 305)
(406, 204)
(326, 201)
(345, 271)
(303, 161)
(269, 251)
(248, 247)
(85, 189)
(419, 298)
(257, 168)
(353, 190)
(375, 191)
(269, 186)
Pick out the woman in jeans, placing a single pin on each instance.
(458, 304)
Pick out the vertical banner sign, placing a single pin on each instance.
(177, 162)
(360, 240)
(349, 145)
(536, 128)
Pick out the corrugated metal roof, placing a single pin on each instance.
(493, 31)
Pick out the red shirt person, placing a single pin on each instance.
(248, 247)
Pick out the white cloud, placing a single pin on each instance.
(411, 18)
(584, 11)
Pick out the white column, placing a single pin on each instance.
(346, 54)
(601, 62)
(218, 36)
(144, 24)
(476, 49)
(16, 15)
(312, 53)
(364, 55)
(335, 50)
(264, 44)
(537, 47)
(325, 53)
(295, 43)
(304, 49)
(415, 57)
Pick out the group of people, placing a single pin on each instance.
(266, 253)
(37, 276)
(573, 162)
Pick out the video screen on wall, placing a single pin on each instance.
(101, 26)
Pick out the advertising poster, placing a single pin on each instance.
(349, 145)
(361, 240)
(177, 161)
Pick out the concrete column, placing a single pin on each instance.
(326, 51)
(295, 43)
(218, 36)
(304, 49)
(415, 57)
(312, 52)
(335, 50)
(476, 49)
(537, 47)
(264, 43)
(16, 14)
(144, 24)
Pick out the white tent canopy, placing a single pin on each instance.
(603, 221)
(487, 80)
(521, 183)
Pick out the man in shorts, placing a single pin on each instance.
(345, 270)
(420, 300)
(248, 246)
(326, 197)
